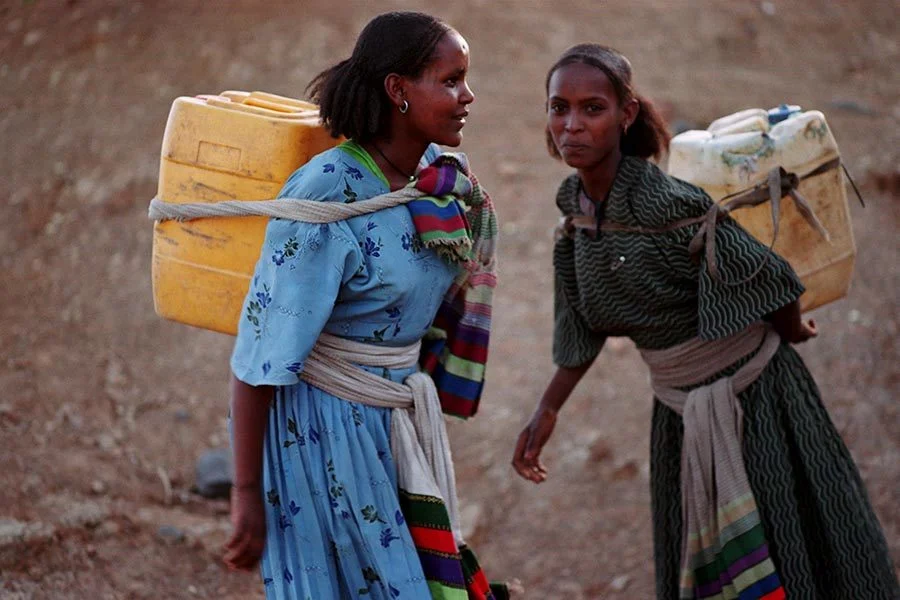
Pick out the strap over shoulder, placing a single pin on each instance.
(778, 185)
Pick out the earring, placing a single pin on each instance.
(403, 107)
(625, 128)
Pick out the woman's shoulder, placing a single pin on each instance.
(322, 178)
(567, 194)
(665, 198)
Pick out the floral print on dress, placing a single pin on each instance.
(294, 367)
(411, 242)
(289, 250)
(395, 315)
(373, 247)
(353, 172)
(254, 311)
(387, 536)
(350, 196)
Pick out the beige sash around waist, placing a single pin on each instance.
(713, 475)
(419, 442)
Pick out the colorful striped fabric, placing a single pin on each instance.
(453, 573)
(735, 563)
(440, 217)
(457, 219)
(429, 525)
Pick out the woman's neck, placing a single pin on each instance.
(598, 180)
(397, 159)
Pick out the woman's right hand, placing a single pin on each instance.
(248, 520)
(526, 459)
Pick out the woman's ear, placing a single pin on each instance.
(630, 112)
(395, 87)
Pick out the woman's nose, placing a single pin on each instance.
(468, 96)
(573, 123)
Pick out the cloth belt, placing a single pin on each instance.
(718, 506)
(419, 441)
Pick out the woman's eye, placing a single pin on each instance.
(594, 108)
(451, 82)
(557, 108)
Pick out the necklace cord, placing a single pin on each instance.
(393, 166)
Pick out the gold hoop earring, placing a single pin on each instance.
(403, 107)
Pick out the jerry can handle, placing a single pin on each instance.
(292, 102)
(257, 110)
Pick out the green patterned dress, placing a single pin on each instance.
(824, 538)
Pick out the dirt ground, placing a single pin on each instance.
(105, 407)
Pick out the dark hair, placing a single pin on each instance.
(351, 96)
(648, 135)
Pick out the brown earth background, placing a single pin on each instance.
(105, 407)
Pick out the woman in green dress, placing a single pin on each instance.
(754, 494)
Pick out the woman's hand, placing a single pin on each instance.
(526, 459)
(806, 331)
(249, 417)
(790, 325)
(248, 520)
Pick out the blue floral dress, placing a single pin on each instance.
(334, 526)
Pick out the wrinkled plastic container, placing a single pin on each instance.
(738, 151)
(229, 146)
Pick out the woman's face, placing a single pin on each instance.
(438, 100)
(583, 115)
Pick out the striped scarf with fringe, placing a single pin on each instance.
(457, 219)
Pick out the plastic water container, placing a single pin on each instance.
(738, 151)
(230, 146)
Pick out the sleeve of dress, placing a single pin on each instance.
(301, 269)
(574, 343)
(736, 298)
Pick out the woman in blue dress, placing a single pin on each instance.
(315, 494)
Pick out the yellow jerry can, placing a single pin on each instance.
(230, 146)
(737, 152)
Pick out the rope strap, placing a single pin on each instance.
(295, 209)
(777, 185)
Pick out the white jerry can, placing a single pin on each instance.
(737, 152)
